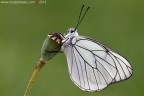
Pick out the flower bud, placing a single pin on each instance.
(51, 46)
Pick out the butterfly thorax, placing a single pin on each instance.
(68, 37)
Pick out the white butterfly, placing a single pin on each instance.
(93, 66)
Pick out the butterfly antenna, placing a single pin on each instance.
(80, 14)
(81, 18)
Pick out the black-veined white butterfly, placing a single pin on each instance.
(92, 66)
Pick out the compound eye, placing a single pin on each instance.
(72, 31)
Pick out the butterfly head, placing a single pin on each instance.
(71, 32)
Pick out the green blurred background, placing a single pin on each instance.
(23, 28)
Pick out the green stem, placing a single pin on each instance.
(39, 66)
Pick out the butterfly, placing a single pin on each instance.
(92, 66)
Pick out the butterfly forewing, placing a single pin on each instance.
(92, 66)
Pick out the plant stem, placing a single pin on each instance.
(39, 66)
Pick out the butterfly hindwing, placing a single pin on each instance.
(92, 66)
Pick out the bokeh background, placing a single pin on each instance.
(119, 24)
